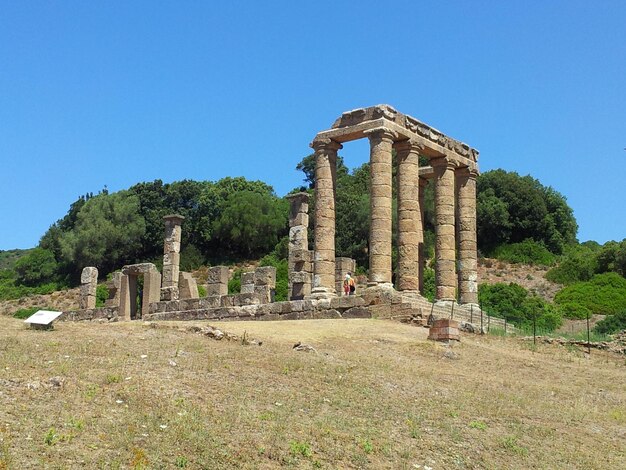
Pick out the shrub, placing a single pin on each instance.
(574, 310)
(37, 267)
(526, 252)
(429, 284)
(612, 324)
(24, 313)
(234, 283)
(512, 302)
(102, 294)
(604, 294)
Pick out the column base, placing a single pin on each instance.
(322, 293)
(380, 285)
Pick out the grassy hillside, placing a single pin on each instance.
(376, 394)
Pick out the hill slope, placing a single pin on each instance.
(376, 394)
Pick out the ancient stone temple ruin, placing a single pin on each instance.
(452, 166)
(140, 291)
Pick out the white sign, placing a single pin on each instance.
(43, 317)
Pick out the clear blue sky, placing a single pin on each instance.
(113, 93)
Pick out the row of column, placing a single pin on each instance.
(455, 208)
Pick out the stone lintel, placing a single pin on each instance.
(415, 126)
(435, 145)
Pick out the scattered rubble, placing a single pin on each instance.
(303, 347)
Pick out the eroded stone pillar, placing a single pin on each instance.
(381, 142)
(88, 286)
(409, 216)
(466, 224)
(300, 266)
(445, 259)
(423, 182)
(171, 256)
(324, 253)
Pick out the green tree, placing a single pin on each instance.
(512, 208)
(38, 266)
(107, 234)
(250, 223)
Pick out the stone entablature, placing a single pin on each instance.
(355, 124)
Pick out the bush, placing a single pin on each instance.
(102, 294)
(612, 324)
(574, 310)
(234, 283)
(24, 313)
(526, 252)
(512, 302)
(37, 267)
(429, 284)
(604, 294)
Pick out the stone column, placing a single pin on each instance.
(381, 142)
(324, 256)
(423, 182)
(299, 255)
(171, 256)
(88, 286)
(445, 259)
(468, 257)
(409, 216)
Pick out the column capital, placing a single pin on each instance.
(325, 144)
(471, 173)
(409, 145)
(175, 219)
(443, 162)
(382, 133)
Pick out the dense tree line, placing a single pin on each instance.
(226, 220)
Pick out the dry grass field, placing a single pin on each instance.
(375, 394)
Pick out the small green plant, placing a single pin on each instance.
(478, 425)
(510, 444)
(113, 378)
(298, 448)
(91, 392)
(367, 446)
(181, 462)
(51, 437)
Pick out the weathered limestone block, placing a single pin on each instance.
(247, 283)
(89, 284)
(300, 291)
(113, 287)
(169, 293)
(217, 280)
(265, 276)
(187, 286)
